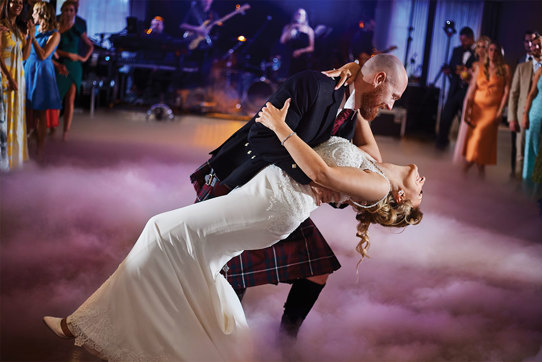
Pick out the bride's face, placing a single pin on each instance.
(413, 185)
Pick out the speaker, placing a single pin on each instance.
(390, 123)
(422, 109)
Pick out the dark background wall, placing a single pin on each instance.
(340, 16)
(504, 21)
(516, 17)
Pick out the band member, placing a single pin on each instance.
(195, 25)
(298, 39)
(156, 28)
(196, 20)
(151, 84)
(362, 46)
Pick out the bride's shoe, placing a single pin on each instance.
(58, 326)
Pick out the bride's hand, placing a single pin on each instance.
(272, 117)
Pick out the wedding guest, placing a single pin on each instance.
(14, 48)
(4, 162)
(486, 97)
(521, 85)
(532, 122)
(481, 53)
(41, 89)
(69, 68)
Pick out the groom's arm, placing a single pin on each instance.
(364, 138)
(303, 90)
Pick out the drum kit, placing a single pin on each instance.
(236, 85)
(242, 88)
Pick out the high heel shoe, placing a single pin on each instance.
(58, 326)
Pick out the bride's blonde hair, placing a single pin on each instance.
(388, 213)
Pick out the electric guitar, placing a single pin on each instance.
(195, 39)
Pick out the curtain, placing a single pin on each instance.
(463, 13)
(393, 21)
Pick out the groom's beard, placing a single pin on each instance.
(370, 104)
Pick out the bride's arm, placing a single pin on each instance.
(348, 180)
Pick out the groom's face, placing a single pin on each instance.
(378, 97)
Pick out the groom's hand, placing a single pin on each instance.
(324, 195)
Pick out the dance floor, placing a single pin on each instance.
(464, 285)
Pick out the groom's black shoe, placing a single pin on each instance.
(300, 301)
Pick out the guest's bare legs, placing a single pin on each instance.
(69, 101)
(41, 127)
(467, 166)
(481, 170)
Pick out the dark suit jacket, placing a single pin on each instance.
(456, 84)
(311, 114)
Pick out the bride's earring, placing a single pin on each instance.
(400, 196)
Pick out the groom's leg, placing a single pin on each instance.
(304, 260)
(303, 294)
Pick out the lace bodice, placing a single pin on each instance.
(292, 202)
(338, 151)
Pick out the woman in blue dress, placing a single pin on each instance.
(41, 88)
(532, 122)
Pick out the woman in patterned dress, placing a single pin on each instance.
(13, 50)
(4, 162)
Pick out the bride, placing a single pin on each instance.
(167, 300)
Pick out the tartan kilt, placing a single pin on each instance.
(302, 254)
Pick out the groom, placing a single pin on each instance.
(319, 109)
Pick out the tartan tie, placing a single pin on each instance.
(344, 115)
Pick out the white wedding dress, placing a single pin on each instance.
(167, 300)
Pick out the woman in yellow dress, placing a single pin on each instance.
(13, 50)
(484, 104)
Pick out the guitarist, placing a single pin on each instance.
(196, 20)
(194, 23)
(362, 47)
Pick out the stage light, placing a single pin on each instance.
(361, 24)
(237, 6)
(241, 38)
(107, 58)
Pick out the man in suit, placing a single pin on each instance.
(304, 259)
(521, 84)
(462, 59)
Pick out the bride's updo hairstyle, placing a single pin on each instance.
(386, 213)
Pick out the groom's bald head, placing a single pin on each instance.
(381, 81)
